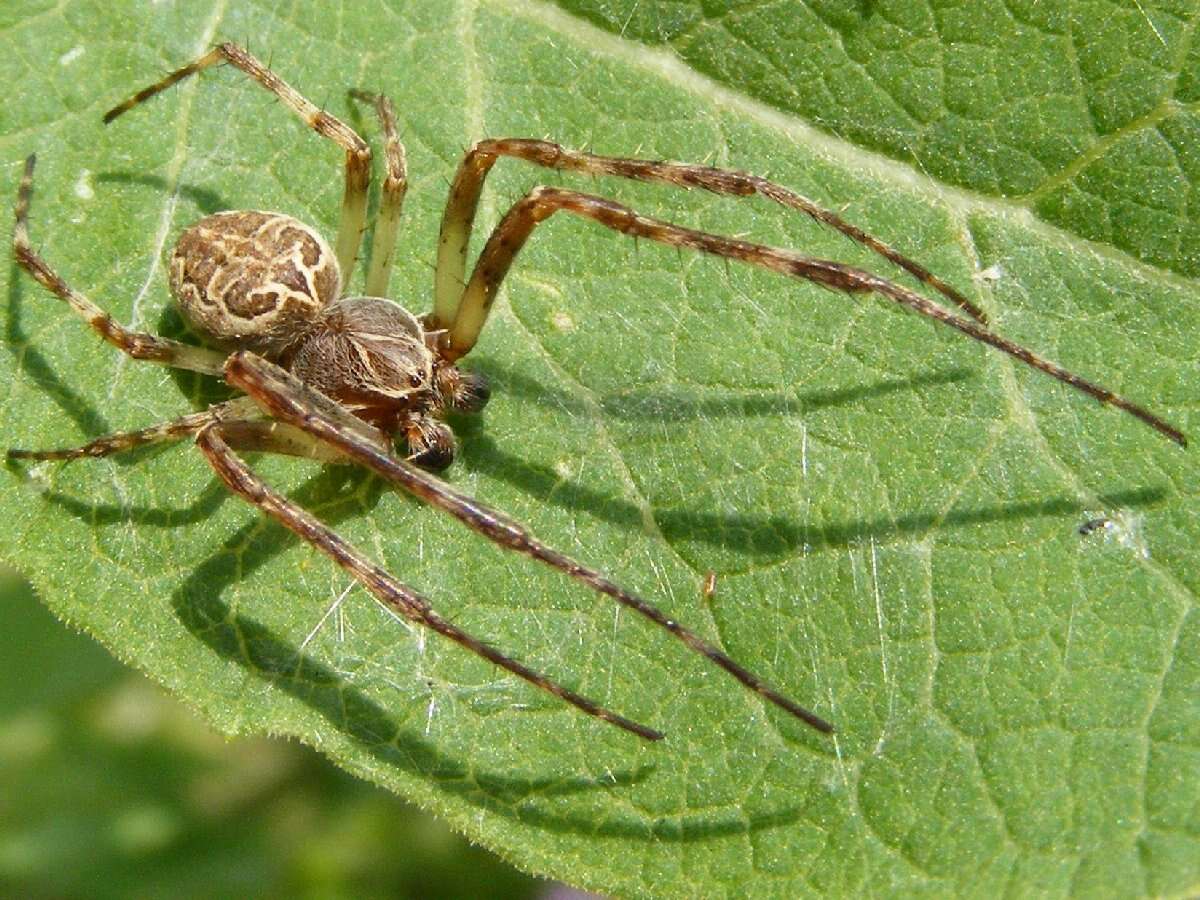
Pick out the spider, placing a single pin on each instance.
(334, 377)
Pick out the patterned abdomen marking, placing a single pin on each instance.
(253, 280)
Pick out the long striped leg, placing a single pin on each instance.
(137, 344)
(269, 436)
(459, 216)
(285, 397)
(391, 201)
(164, 432)
(541, 203)
(241, 423)
(386, 589)
(358, 154)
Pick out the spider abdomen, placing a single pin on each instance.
(253, 279)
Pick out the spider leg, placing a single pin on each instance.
(541, 203)
(395, 186)
(163, 432)
(358, 154)
(137, 344)
(285, 397)
(241, 424)
(459, 215)
(268, 436)
(387, 590)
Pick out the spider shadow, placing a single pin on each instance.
(239, 638)
(205, 200)
(201, 390)
(342, 492)
(672, 405)
(97, 514)
(762, 537)
(32, 363)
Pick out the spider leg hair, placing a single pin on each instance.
(358, 153)
(238, 477)
(281, 395)
(242, 425)
(542, 202)
(459, 216)
(137, 344)
(163, 432)
(391, 199)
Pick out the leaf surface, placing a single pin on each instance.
(891, 510)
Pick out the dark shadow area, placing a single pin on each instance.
(764, 537)
(36, 367)
(201, 508)
(777, 536)
(681, 829)
(197, 391)
(241, 639)
(200, 390)
(195, 388)
(681, 405)
(207, 201)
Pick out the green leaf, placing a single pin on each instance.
(1084, 113)
(892, 511)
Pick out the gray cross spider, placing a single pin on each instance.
(333, 377)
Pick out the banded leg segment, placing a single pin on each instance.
(459, 216)
(358, 154)
(164, 432)
(391, 200)
(541, 203)
(285, 397)
(137, 344)
(241, 424)
(387, 590)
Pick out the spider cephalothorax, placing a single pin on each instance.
(332, 377)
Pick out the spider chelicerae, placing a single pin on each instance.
(333, 377)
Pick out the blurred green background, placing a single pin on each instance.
(110, 788)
